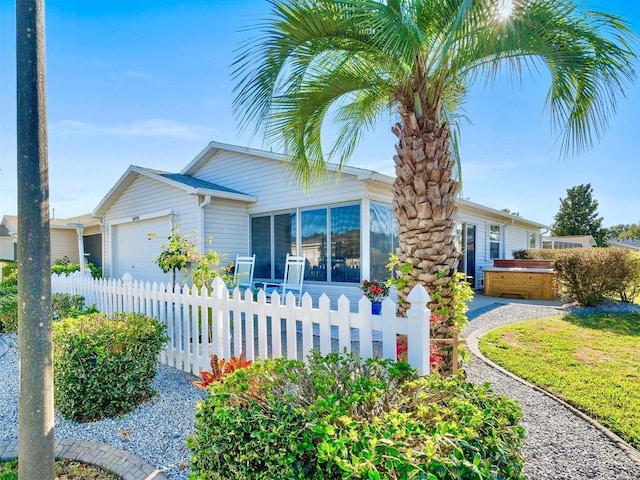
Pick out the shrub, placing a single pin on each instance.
(589, 275)
(64, 305)
(104, 366)
(9, 308)
(9, 273)
(63, 266)
(628, 271)
(537, 254)
(341, 417)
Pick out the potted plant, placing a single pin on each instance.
(376, 291)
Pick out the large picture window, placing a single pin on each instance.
(330, 238)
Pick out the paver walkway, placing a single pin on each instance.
(124, 464)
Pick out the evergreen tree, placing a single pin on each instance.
(578, 214)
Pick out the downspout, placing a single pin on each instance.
(201, 207)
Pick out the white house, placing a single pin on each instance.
(9, 237)
(239, 200)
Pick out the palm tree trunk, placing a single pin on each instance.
(425, 208)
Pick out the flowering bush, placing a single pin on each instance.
(374, 290)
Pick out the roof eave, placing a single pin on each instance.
(221, 194)
(499, 213)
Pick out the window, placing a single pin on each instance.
(494, 241)
(532, 240)
(261, 246)
(284, 241)
(383, 239)
(334, 233)
(330, 239)
(313, 243)
(345, 244)
(283, 234)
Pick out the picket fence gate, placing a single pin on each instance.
(201, 322)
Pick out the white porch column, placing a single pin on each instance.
(79, 231)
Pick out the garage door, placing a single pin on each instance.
(134, 248)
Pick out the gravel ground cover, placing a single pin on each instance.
(156, 431)
(559, 445)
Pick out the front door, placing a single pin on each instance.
(468, 263)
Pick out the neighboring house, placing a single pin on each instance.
(70, 237)
(632, 243)
(579, 241)
(243, 201)
(77, 236)
(9, 238)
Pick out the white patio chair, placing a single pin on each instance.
(292, 282)
(243, 272)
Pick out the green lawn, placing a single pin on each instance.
(592, 362)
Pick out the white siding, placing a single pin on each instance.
(271, 182)
(64, 243)
(226, 223)
(143, 197)
(92, 230)
(6, 248)
(516, 239)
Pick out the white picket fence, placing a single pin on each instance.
(202, 323)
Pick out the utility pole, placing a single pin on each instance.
(35, 410)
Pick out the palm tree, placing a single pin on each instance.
(357, 60)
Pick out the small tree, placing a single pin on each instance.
(207, 269)
(632, 231)
(578, 214)
(181, 253)
(177, 254)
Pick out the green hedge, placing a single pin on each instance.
(64, 305)
(8, 308)
(590, 275)
(339, 417)
(103, 367)
(9, 273)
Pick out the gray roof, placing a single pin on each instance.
(195, 182)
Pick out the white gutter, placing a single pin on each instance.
(201, 207)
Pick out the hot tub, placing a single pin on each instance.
(534, 283)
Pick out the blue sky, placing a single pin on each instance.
(147, 82)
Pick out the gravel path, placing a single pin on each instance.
(559, 444)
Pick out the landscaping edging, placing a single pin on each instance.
(472, 343)
(124, 464)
